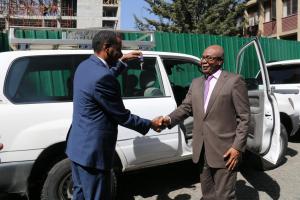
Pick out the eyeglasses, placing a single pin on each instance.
(210, 58)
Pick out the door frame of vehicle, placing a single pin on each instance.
(270, 140)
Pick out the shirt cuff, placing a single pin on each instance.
(123, 63)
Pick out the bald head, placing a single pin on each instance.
(215, 51)
(212, 59)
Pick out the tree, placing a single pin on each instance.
(221, 17)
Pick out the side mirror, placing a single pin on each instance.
(252, 83)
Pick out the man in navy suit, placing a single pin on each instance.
(98, 109)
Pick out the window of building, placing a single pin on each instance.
(273, 10)
(68, 23)
(50, 23)
(290, 7)
(2, 24)
(267, 15)
(110, 11)
(4, 7)
(270, 11)
(108, 24)
(68, 7)
(253, 19)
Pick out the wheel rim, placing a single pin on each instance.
(65, 190)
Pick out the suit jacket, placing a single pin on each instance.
(97, 110)
(225, 122)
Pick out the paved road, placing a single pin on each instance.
(181, 182)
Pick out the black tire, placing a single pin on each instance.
(58, 184)
(263, 165)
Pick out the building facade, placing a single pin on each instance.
(273, 18)
(60, 13)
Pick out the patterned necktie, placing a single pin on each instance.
(206, 87)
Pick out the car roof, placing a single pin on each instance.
(284, 62)
(62, 52)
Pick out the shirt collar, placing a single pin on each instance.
(215, 75)
(104, 62)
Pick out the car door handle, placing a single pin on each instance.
(267, 115)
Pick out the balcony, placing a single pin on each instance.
(108, 24)
(269, 28)
(289, 23)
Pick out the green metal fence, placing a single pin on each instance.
(193, 44)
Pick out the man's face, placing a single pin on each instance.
(114, 52)
(211, 60)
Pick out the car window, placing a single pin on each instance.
(248, 68)
(50, 78)
(181, 72)
(284, 74)
(42, 78)
(142, 81)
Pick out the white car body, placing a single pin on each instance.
(287, 93)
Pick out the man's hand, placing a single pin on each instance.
(157, 124)
(166, 121)
(160, 123)
(1, 146)
(131, 55)
(232, 156)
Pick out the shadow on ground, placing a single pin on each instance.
(260, 182)
(159, 181)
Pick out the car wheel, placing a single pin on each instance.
(59, 184)
(259, 163)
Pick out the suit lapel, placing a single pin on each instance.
(220, 83)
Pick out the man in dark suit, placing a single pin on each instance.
(98, 109)
(219, 103)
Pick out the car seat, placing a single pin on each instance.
(147, 84)
(131, 86)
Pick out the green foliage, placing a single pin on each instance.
(221, 17)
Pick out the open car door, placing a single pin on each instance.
(266, 137)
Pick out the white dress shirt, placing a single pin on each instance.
(212, 84)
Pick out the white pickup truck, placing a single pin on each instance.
(36, 110)
(285, 83)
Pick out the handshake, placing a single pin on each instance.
(160, 123)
